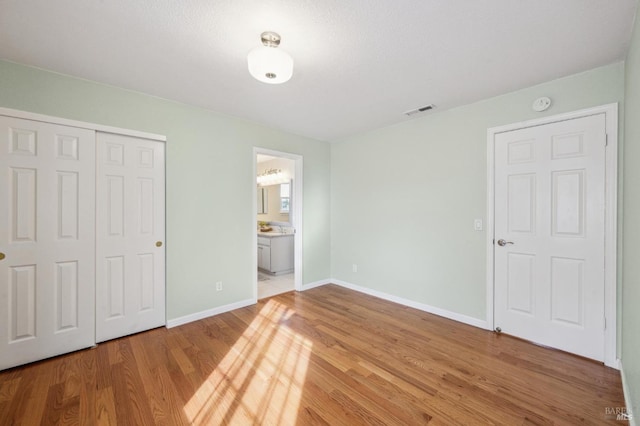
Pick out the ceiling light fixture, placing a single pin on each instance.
(269, 64)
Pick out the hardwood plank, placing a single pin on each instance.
(9, 389)
(37, 400)
(60, 410)
(89, 385)
(18, 407)
(103, 369)
(132, 404)
(162, 398)
(105, 407)
(309, 416)
(325, 356)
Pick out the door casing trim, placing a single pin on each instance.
(611, 215)
(297, 215)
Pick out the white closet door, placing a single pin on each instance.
(47, 225)
(130, 263)
(550, 234)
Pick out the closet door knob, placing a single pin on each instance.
(2, 256)
(158, 243)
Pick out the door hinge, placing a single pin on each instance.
(605, 323)
(606, 140)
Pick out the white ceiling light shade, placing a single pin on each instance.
(269, 64)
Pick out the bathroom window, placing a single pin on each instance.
(285, 197)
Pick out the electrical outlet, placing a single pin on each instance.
(477, 224)
(354, 267)
(219, 286)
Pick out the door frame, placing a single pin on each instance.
(297, 215)
(611, 215)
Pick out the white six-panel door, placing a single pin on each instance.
(47, 240)
(130, 269)
(549, 212)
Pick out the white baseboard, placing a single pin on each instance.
(406, 302)
(209, 313)
(315, 284)
(627, 396)
(413, 304)
(230, 307)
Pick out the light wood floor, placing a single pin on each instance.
(327, 356)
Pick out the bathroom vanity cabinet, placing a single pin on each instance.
(275, 253)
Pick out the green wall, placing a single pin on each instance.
(631, 241)
(209, 158)
(399, 201)
(404, 197)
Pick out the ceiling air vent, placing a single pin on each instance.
(421, 109)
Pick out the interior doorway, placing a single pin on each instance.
(278, 219)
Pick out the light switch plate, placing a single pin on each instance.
(477, 224)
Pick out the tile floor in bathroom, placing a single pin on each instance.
(270, 285)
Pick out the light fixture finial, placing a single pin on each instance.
(270, 39)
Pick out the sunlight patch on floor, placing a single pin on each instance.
(261, 378)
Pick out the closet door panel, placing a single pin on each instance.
(130, 268)
(47, 237)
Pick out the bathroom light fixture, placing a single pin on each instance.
(269, 64)
(271, 177)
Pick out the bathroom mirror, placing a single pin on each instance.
(276, 201)
(262, 200)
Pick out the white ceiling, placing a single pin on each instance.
(359, 64)
(261, 158)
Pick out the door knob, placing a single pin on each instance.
(503, 243)
(158, 243)
(2, 256)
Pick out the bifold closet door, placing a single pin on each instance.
(47, 240)
(130, 261)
